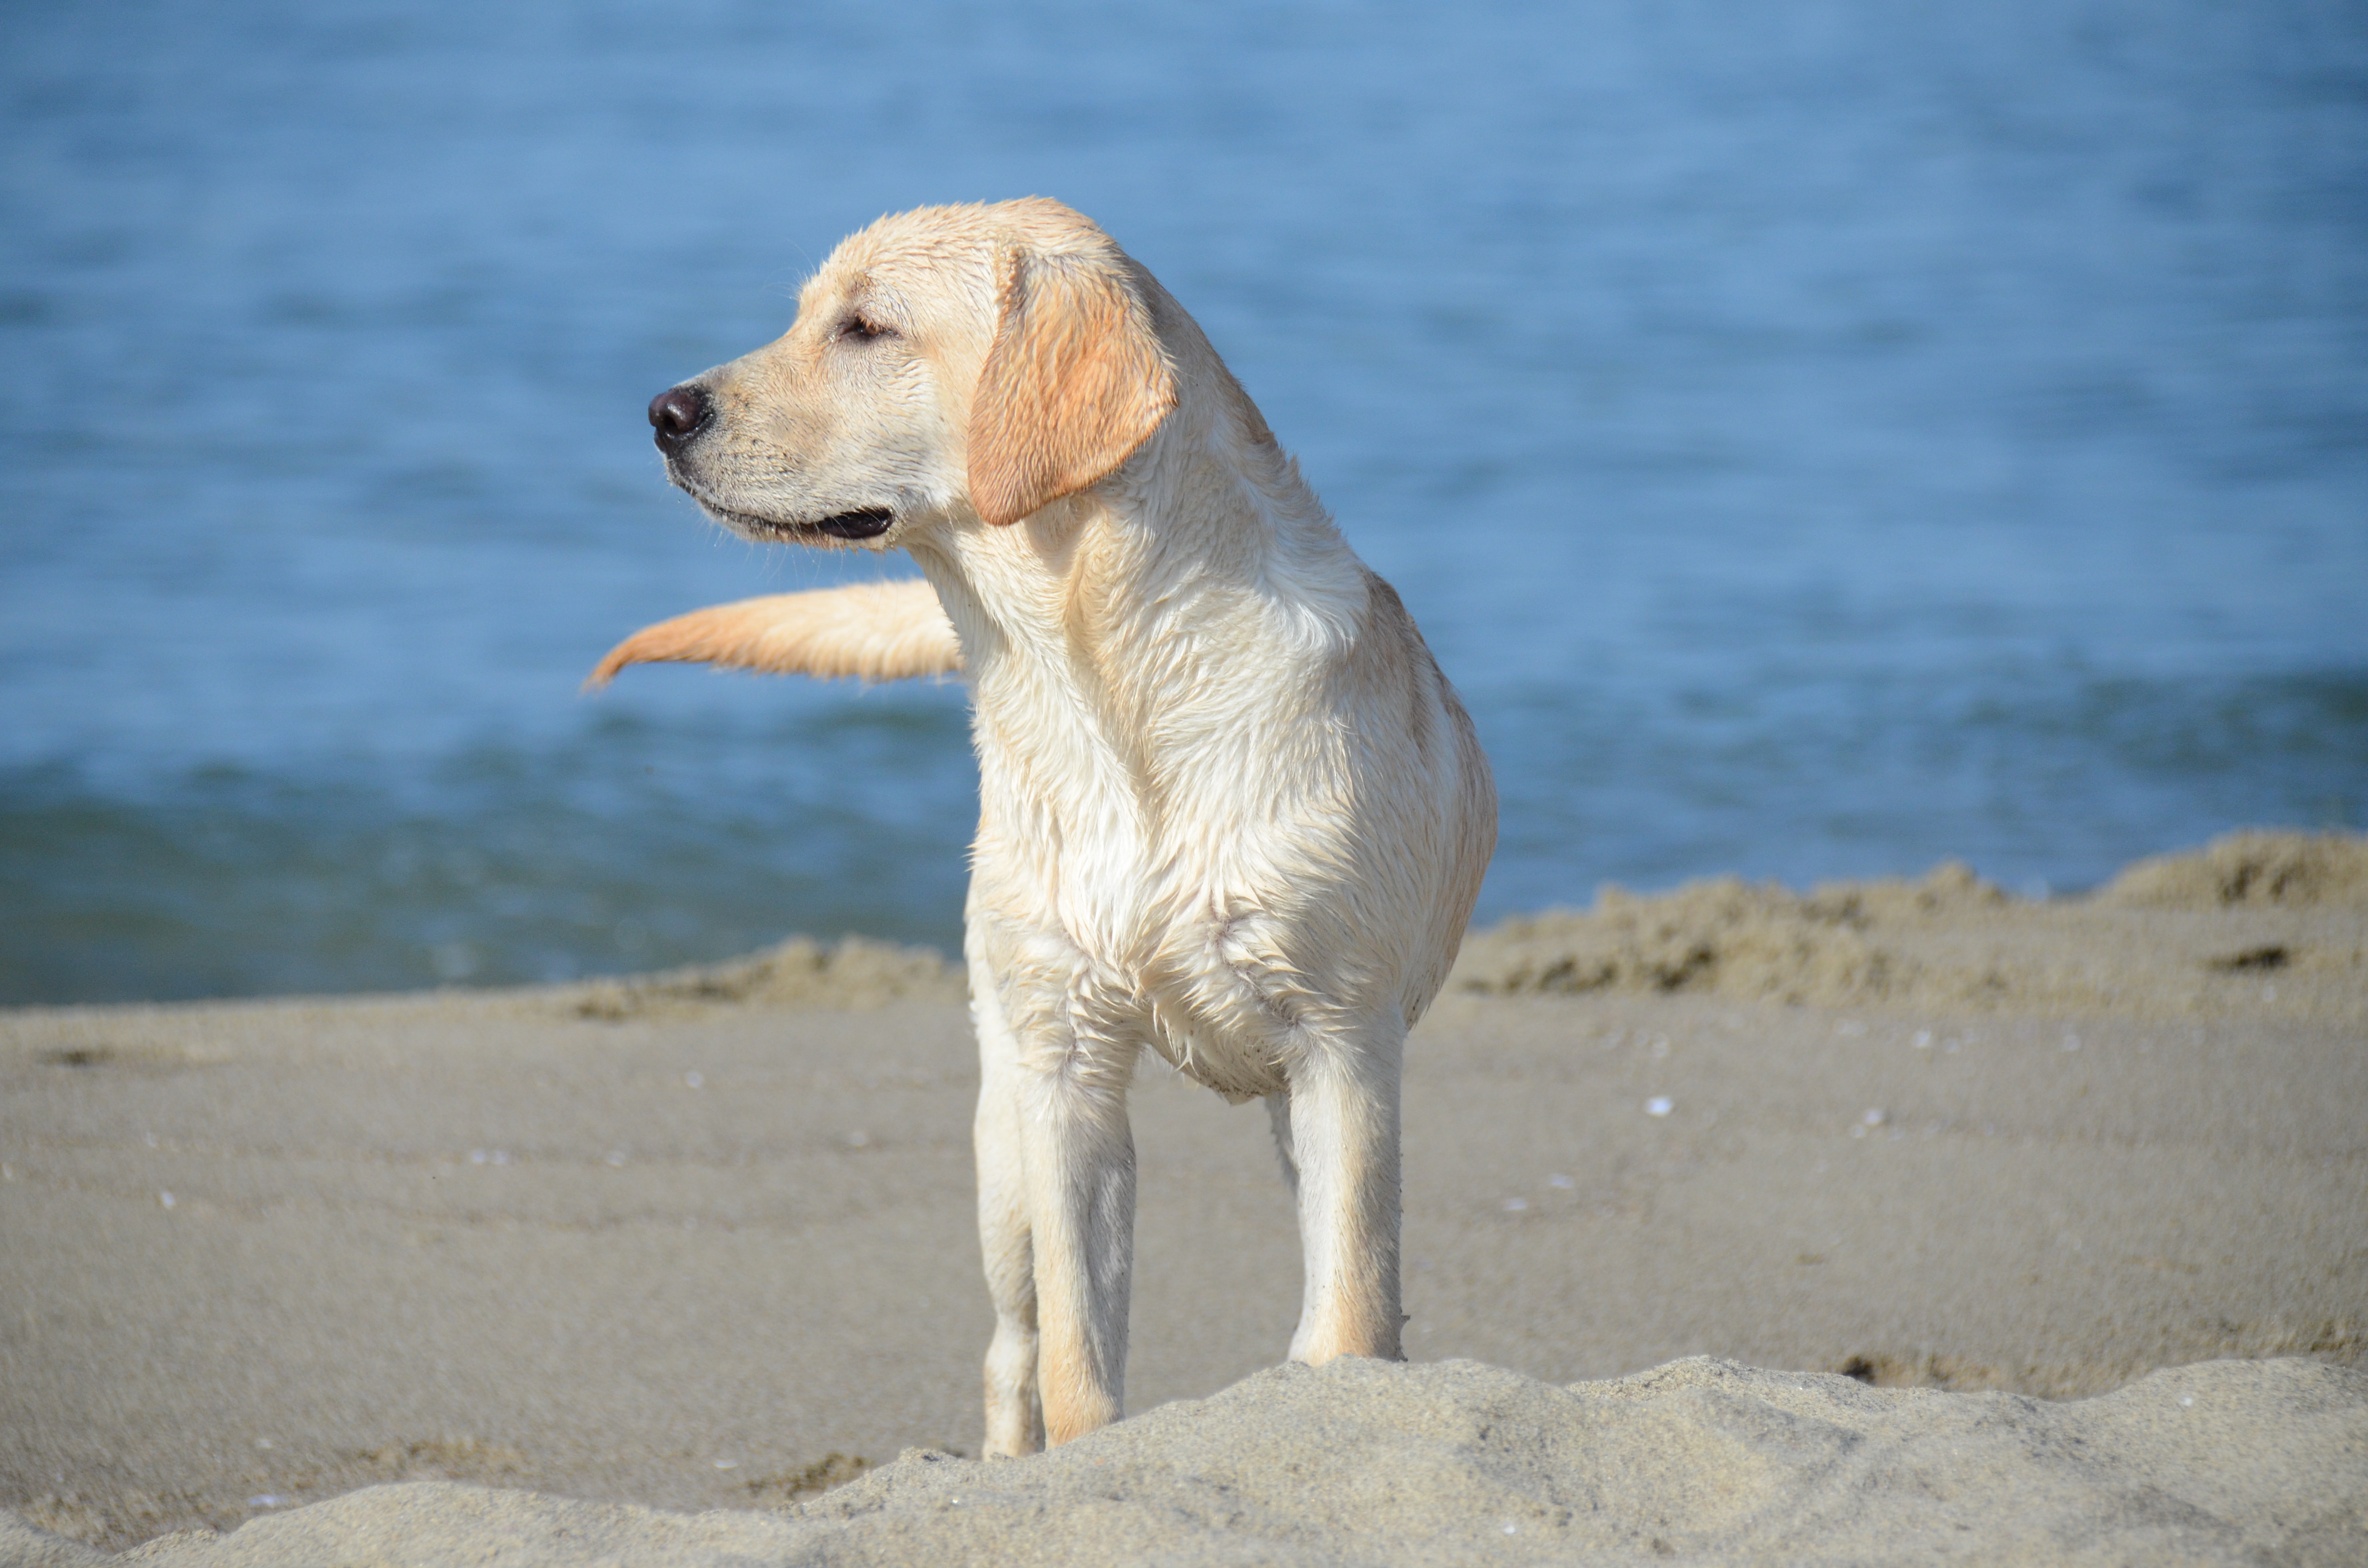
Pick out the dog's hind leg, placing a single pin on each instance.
(1344, 1131)
(1015, 1417)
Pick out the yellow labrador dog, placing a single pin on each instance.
(1229, 808)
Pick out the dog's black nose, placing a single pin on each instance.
(676, 415)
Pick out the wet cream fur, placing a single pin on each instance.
(1230, 811)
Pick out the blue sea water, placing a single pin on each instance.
(1818, 440)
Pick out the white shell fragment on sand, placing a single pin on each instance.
(1659, 1105)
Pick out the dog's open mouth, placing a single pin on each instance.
(863, 522)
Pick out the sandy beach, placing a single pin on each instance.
(1862, 1223)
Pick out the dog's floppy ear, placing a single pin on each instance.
(1076, 381)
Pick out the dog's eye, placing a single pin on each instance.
(863, 329)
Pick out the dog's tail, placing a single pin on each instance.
(870, 630)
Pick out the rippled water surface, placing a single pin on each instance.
(1818, 440)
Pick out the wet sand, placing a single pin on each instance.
(703, 1243)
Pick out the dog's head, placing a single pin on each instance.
(948, 365)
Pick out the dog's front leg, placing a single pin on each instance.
(1344, 1136)
(1078, 1155)
(1065, 1081)
(1015, 1420)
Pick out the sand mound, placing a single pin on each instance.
(800, 972)
(1456, 1461)
(2250, 869)
(1726, 935)
(2167, 938)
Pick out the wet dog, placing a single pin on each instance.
(1230, 811)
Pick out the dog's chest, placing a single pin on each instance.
(1082, 819)
(1143, 836)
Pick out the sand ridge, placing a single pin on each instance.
(2256, 924)
(1367, 1462)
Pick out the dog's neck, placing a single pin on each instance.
(1209, 521)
